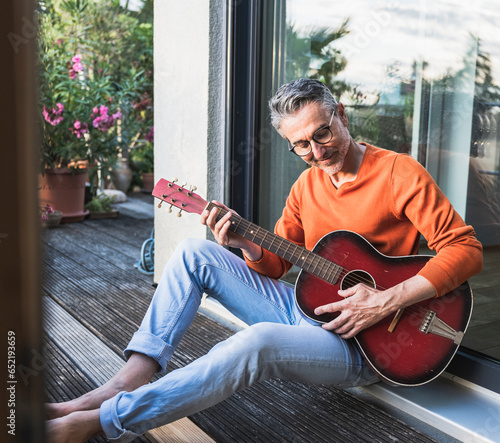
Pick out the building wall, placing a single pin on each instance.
(189, 111)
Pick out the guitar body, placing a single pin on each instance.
(406, 356)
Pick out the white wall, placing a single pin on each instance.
(189, 110)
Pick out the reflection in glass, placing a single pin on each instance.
(417, 81)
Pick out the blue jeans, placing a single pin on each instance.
(279, 343)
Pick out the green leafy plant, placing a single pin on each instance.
(100, 203)
(87, 94)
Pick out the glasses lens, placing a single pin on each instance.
(302, 148)
(323, 135)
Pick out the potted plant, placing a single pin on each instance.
(84, 100)
(101, 206)
(49, 217)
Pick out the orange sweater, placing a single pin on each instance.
(390, 203)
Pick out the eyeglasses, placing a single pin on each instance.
(321, 136)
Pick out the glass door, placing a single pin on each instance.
(415, 77)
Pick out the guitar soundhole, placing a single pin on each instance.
(354, 277)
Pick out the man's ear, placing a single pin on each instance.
(341, 114)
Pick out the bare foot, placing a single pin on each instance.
(56, 410)
(77, 427)
(138, 371)
(90, 400)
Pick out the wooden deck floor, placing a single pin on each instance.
(94, 300)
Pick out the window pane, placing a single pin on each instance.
(413, 80)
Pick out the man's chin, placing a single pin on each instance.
(332, 167)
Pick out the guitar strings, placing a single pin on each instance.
(330, 276)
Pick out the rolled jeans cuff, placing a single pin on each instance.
(152, 346)
(111, 424)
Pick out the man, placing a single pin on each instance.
(386, 197)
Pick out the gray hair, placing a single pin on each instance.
(292, 96)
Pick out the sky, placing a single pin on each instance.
(382, 32)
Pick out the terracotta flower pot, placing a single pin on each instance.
(64, 190)
(148, 181)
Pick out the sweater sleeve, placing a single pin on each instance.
(289, 226)
(417, 197)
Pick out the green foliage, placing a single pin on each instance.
(142, 158)
(101, 203)
(312, 53)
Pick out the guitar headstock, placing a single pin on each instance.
(178, 196)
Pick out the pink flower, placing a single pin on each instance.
(76, 67)
(142, 104)
(45, 211)
(54, 115)
(150, 136)
(101, 120)
(79, 128)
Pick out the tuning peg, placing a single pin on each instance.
(170, 208)
(159, 204)
(190, 192)
(175, 179)
(179, 213)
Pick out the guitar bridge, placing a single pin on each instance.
(432, 324)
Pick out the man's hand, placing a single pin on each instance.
(224, 236)
(364, 306)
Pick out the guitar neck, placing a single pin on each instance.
(297, 255)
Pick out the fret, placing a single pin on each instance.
(332, 273)
(304, 257)
(261, 238)
(272, 241)
(236, 224)
(327, 272)
(264, 238)
(220, 214)
(286, 250)
(323, 270)
(246, 230)
(311, 259)
(252, 232)
(280, 246)
(293, 253)
(315, 261)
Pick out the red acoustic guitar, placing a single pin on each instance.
(409, 349)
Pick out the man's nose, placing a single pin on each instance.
(318, 149)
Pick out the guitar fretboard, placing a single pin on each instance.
(303, 258)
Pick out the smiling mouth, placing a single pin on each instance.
(326, 158)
